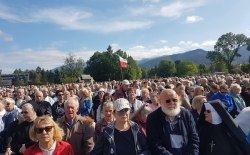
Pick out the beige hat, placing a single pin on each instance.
(120, 104)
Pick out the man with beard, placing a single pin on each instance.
(171, 129)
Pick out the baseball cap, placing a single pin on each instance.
(125, 82)
(120, 104)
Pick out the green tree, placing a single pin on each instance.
(202, 69)
(72, 69)
(185, 68)
(152, 73)
(166, 68)
(104, 66)
(227, 48)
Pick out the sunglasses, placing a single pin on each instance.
(24, 112)
(60, 94)
(169, 100)
(40, 130)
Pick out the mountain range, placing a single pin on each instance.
(198, 56)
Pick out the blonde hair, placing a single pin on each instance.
(58, 132)
(9, 100)
(234, 87)
(85, 92)
(196, 102)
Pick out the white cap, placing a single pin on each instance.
(120, 104)
(125, 82)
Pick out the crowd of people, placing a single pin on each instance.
(201, 115)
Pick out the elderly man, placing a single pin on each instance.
(171, 129)
(41, 107)
(18, 133)
(79, 133)
(21, 98)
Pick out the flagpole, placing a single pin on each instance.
(121, 73)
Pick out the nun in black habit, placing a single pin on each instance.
(219, 134)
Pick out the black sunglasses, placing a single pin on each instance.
(169, 100)
(24, 112)
(40, 130)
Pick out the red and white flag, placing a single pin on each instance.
(123, 62)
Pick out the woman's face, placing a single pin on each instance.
(122, 116)
(44, 132)
(108, 112)
(9, 107)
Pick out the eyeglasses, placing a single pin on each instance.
(122, 112)
(60, 94)
(24, 112)
(40, 130)
(169, 100)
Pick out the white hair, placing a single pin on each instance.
(72, 100)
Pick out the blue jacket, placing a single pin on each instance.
(85, 107)
(158, 136)
(226, 99)
(106, 144)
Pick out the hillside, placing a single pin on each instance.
(197, 56)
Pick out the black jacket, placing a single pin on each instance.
(159, 139)
(106, 144)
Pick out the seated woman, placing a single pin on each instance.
(121, 136)
(48, 136)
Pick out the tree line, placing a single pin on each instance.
(104, 66)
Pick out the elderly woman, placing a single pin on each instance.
(141, 117)
(99, 112)
(85, 101)
(197, 104)
(11, 112)
(48, 136)
(121, 136)
(235, 91)
(155, 101)
(107, 111)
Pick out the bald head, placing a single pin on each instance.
(39, 96)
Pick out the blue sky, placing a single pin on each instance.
(43, 32)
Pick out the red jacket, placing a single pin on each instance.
(62, 148)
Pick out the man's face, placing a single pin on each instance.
(71, 110)
(170, 103)
(28, 114)
(131, 94)
(60, 97)
(39, 97)
(20, 93)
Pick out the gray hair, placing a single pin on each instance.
(30, 106)
(234, 87)
(72, 100)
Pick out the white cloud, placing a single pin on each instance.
(5, 37)
(50, 58)
(172, 10)
(176, 9)
(75, 19)
(193, 19)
